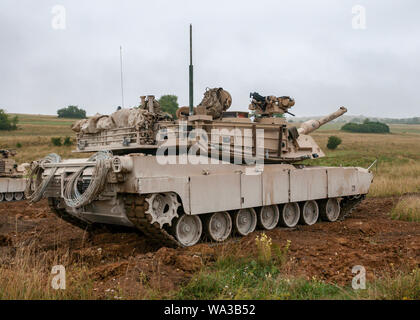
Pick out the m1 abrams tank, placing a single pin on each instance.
(12, 182)
(205, 176)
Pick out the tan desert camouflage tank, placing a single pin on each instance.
(206, 176)
(12, 181)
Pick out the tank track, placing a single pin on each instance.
(63, 215)
(94, 228)
(136, 207)
(14, 200)
(348, 205)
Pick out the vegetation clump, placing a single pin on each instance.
(366, 127)
(333, 142)
(7, 123)
(67, 141)
(255, 277)
(56, 141)
(73, 112)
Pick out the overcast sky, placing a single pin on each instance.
(309, 50)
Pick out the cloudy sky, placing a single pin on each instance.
(319, 52)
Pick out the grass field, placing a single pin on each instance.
(34, 135)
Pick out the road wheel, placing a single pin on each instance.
(268, 217)
(245, 221)
(329, 209)
(309, 213)
(8, 196)
(188, 230)
(1, 197)
(18, 196)
(219, 226)
(289, 214)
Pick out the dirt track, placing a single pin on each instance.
(326, 251)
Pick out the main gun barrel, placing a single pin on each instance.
(311, 125)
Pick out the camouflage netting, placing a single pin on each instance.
(142, 120)
(216, 101)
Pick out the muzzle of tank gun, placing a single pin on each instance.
(122, 164)
(311, 125)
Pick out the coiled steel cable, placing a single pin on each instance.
(71, 194)
(36, 185)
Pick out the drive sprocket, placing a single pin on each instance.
(162, 208)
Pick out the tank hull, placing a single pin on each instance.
(204, 189)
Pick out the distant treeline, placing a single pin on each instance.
(414, 120)
(361, 119)
(366, 127)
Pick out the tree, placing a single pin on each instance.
(366, 127)
(6, 123)
(72, 112)
(333, 142)
(169, 104)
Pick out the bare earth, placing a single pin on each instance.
(327, 251)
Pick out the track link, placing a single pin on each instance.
(92, 228)
(64, 215)
(135, 208)
(348, 205)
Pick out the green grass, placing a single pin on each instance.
(240, 278)
(262, 275)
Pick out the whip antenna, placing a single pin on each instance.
(191, 76)
(122, 83)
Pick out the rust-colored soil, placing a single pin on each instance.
(327, 251)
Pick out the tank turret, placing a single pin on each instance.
(8, 165)
(146, 130)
